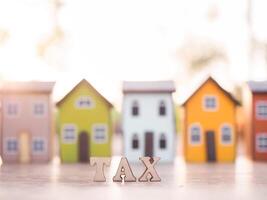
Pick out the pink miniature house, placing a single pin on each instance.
(26, 121)
(0, 126)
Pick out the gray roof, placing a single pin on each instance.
(257, 86)
(27, 86)
(148, 86)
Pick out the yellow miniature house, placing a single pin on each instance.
(210, 124)
(84, 122)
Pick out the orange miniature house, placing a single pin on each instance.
(210, 124)
(255, 126)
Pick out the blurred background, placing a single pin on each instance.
(108, 41)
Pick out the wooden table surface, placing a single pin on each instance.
(240, 180)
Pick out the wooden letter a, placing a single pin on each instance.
(124, 172)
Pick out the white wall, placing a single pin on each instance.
(148, 120)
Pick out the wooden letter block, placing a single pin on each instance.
(99, 162)
(150, 173)
(124, 172)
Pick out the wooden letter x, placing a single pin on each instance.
(124, 171)
(150, 170)
(100, 163)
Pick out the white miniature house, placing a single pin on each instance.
(148, 120)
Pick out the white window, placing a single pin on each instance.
(11, 145)
(162, 141)
(195, 134)
(135, 141)
(84, 102)
(100, 133)
(226, 134)
(69, 134)
(210, 103)
(162, 108)
(12, 109)
(261, 110)
(135, 108)
(261, 142)
(38, 145)
(39, 109)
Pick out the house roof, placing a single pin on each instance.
(148, 86)
(26, 87)
(257, 86)
(228, 94)
(89, 85)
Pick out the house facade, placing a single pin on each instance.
(255, 126)
(210, 124)
(84, 124)
(26, 122)
(0, 125)
(148, 120)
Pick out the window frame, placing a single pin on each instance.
(7, 104)
(193, 125)
(45, 108)
(231, 132)
(68, 141)
(135, 137)
(164, 138)
(83, 98)
(94, 127)
(258, 149)
(260, 103)
(135, 105)
(8, 152)
(209, 109)
(44, 151)
(162, 104)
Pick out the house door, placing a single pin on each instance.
(24, 148)
(83, 147)
(149, 144)
(210, 145)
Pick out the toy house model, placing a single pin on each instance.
(0, 127)
(255, 126)
(148, 120)
(210, 124)
(26, 121)
(84, 121)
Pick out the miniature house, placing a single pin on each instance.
(148, 122)
(255, 126)
(26, 121)
(0, 127)
(210, 124)
(84, 121)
